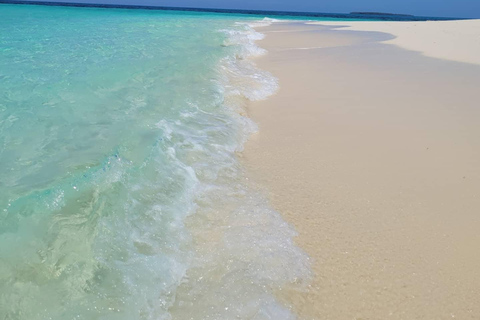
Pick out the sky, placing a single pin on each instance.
(432, 8)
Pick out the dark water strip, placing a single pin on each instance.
(284, 14)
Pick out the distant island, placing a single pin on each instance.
(382, 14)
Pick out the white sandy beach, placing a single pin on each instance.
(457, 40)
(371, 149)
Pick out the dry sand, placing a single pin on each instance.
(457, 40)
(372, 152)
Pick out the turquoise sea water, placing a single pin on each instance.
(120, 193)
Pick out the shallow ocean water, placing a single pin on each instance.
(120, 193)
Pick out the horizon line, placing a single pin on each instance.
(351, 15)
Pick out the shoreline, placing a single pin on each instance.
(372, 153)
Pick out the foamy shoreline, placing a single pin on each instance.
(372, 153)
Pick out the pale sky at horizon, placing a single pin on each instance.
(436, 8)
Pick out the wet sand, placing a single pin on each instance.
(372, 153)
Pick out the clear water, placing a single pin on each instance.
(120, 193)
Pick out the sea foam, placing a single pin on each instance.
(244, 249)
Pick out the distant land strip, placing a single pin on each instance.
(382, 14)
(353, 15)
